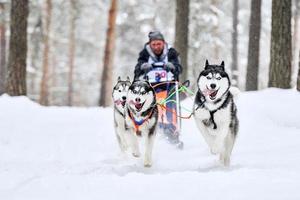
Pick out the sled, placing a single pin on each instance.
(166, 87)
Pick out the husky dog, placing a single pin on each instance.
(141, 115)
(119, 97)
(215, 111)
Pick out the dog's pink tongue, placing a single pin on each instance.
(207, 92)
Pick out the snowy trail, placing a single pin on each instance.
(71, 153)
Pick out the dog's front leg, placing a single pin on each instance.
(218, 144)
(121, 139)
(149, 140)
(133, 142)
(228, 145)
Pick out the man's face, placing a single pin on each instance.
(157, 46)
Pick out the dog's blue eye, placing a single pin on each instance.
(219, 78)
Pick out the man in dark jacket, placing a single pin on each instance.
(157, 50)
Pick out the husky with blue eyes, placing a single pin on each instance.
(141, 115)
(215, 111)
(119, 97)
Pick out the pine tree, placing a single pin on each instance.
(281, 45)
(44, 92)
(16, 70)
(235, 42)
(106, 80)
(298, 79)
(2, 49)
(182, 33)
(253, 47)
(71, 51)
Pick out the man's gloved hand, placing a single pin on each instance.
(146, 67)
(169, 67)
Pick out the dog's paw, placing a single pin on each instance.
(225, 160)
(215, 149)
(136, 154)
(147, 163)
(207, 122)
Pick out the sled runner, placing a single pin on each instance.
(166, 87)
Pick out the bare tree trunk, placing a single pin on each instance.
(182, 33)
(235, 43)
(2, 48)
(253, 47)
(298, 79)
(281, 45)
(296, 41)
(215, 30)
(35, 54)
(71, 51)
(44, 92)
(16, 70)
(106, 80)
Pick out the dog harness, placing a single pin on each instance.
(139, 123)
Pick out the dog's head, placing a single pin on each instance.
(141, 96)
(120, 92)
(213, 81)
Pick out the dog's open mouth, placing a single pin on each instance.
(211, 93)
(138, 106)
(123, 103)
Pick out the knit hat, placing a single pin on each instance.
(156, 35)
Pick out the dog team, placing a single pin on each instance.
(136, 111)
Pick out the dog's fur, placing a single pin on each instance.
(141, 109)
(215, 111)
(119, 97)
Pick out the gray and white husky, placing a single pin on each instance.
(141, 115)
(119, 95)
(215, 111)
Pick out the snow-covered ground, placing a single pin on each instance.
(71, 153)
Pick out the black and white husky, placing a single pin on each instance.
(119, 95)
(215, 111)
(141, 115)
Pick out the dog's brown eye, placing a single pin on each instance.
(208, 77)
(219, 78)
(120, 90)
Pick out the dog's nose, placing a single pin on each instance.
(137, 99)
(124, 98)
(213, 86)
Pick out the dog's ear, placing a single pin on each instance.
(223, 65)
(119, 78)
(206, 65)
(147, 80)
(128, 79)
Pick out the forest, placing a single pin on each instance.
(70, 53)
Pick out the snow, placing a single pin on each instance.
(71, 153)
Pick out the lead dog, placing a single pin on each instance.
(215, 111)
(141, 115)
